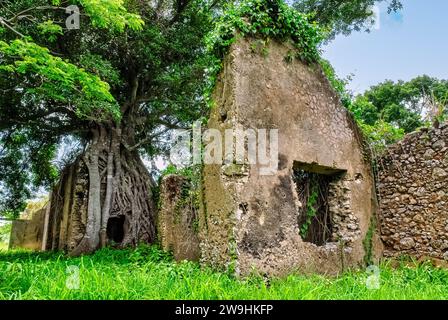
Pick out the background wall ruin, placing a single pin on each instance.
(28, 234)
(413, 195)
(250, 221)
(178, 221)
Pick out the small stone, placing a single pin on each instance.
(445, 256)
(401, 210)
(407, 243)
(429, 154)
(445, 159)
(352, 226)
(439, 173)
(438, 144)
(418, 218)
(437, 244)
(420, 192)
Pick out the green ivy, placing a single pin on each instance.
(190, 193)
(262, 19)
(310, 208)
(368, 241)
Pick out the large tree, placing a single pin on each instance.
(133, 70)
(406, 105)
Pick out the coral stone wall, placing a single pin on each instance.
(413, 188)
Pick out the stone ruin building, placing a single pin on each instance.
(251, 221)
(321, 210)
(254, 220)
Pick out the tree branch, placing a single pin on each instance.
(18, 15)
(4, 23)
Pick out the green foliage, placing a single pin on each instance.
(390, 109)
(144, 253)
(190, 193)
(368, 241)
(265, 19)
(45, 76)
(50, 30)
(148, 273)
(344, 17)
(381, 134)
(95, 64)
(310, 207)
(112, 15)
(170, 169)
(389, 101)
(262, 20)
(191, 173)
(5, 231)
(26, 160)
(56, 84)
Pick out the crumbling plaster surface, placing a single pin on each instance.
(250, 221)
(177, 223)
(27, 234)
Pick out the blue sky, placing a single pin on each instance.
(408, 44)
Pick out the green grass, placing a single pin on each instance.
(149, 273)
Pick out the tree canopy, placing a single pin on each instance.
(342, 16)
(129, 59)
(390, 109)
(408, 105)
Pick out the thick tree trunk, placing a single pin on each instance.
(104, 198)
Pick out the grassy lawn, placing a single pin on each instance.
(148, 273)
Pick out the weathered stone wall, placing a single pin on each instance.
(413, 195)
(250, 221)
(27, 234)
(178, 221)
(68, 212)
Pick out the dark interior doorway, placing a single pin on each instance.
(115, 229)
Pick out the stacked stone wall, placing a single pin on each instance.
(413, 190)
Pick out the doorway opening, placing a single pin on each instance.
(115, 229)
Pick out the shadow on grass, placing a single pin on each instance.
(141, 254)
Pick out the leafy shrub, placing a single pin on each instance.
(261, 19)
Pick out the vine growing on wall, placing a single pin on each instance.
(310, 209)
(262, 19)
(190, 191)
